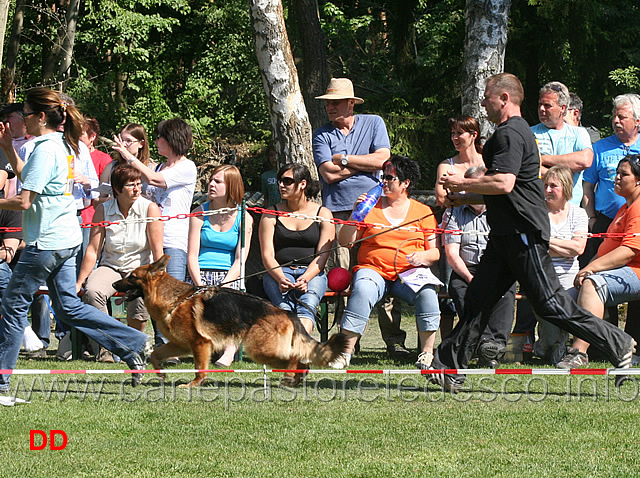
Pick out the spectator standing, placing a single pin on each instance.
(349, 152)
(561, 143)
(52, 236)
(171, 187)
(574, 117)
(133, 142)
(269, 180)
(12, 114)
(100, 159)
(600, 200)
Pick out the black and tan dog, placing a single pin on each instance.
(199, 322)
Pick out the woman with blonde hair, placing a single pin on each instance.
(52, 236)
(213, 250)
(569, 227)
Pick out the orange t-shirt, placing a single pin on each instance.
(379, 252)
(627, 220)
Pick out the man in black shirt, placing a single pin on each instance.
(518, 242)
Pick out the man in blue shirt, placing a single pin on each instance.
(600, 200)
(349, 152)
(561, 143)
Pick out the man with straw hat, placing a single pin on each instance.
(349, 152)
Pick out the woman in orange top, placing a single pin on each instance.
(613, 276)
(385, 254)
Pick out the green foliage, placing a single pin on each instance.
(146, 60)
(626, 77)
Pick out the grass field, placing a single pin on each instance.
(334, 425)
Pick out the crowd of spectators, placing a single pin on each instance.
(489, 197)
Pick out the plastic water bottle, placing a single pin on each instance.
(363, 208)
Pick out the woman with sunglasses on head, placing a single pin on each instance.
(214, 252)
(386, 254)
(121, 247)
(170, 186)
(132, 140)
(295, 250)
(52, 236)
(613, 276)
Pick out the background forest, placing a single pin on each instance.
(147, 60)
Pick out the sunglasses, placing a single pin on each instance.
(26, 115)
(389, 178)
(286, 181)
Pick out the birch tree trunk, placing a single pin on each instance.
(4, 14)
(486, 23)
(66, 54)
(9, 72)
(289, 120)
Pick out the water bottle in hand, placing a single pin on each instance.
(363, 207)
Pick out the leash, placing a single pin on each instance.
(333, 248)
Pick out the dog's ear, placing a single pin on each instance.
(160, 265)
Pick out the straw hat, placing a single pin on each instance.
(340, 89)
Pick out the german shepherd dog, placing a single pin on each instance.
(200, 321)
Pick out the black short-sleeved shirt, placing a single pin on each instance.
(10, 219)
(513, 149)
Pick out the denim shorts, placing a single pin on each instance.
(616, 285)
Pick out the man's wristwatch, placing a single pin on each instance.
(344, 160)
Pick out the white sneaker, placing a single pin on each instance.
(424, 360)
(341, 361)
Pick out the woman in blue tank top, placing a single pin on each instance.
(213, 249)
(295, 251)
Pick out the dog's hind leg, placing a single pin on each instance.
(165, 351)
(201, 356)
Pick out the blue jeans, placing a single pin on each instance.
(177, 268)
(369, 288)
(616, 286)
(40, 319)
(290, 300)
(58, 270)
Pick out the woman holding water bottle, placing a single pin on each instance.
(394, 260)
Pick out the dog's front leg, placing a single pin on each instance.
(201, 356)
(163, 352)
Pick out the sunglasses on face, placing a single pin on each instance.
(389, 177)
(286, 181)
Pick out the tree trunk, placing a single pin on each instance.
(9, 73)
(315, 70)
(52, 59)
(4, 13)
(69, 40)
(289, 120)
(485, 42)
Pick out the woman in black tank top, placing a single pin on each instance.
(295, 250)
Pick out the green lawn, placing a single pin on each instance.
(334, 425)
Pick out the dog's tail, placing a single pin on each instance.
(323, 353)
